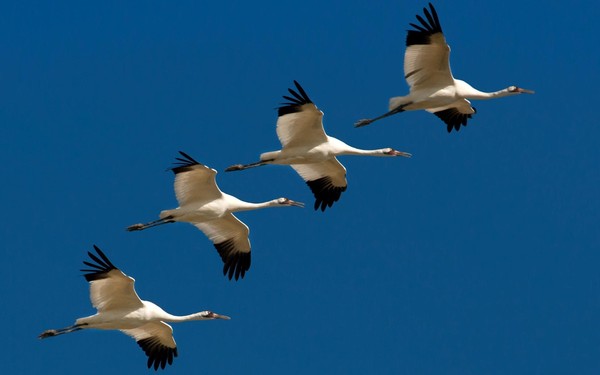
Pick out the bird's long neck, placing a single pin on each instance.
(358, 151)
(341, 148)
(183, 318)
(467, 91)
(236, 205)
(476, 94)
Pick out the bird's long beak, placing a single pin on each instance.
(218, 316)
(296, 204)
(400, 153)
(525, 91)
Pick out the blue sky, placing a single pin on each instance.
(477, 256)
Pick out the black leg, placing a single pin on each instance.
(367, 121)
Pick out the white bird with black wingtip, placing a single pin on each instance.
(119, 308)
(432, 86)
(204, 205)
(310, 151)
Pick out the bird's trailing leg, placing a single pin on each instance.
(241, 167)
(367, 121)
(164, 220)
(56, 332)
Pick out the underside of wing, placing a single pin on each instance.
(327, 181)
(156, 340)
(194, 182)
(300, 122)
(455, 114)
(426, 60)
(109, 287)
(230, 237)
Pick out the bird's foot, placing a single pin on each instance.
(48, 333)
(363, 122)
(133, 227)
(237, 167)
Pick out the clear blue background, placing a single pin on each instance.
(479, 255)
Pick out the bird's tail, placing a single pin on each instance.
(269, 156)
(396, 102)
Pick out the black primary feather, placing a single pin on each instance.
(453, 118)
(100, 269)
(234, 262)
(294, 103)
(423, 32)
(184, 164)
(325, 192)
(158, 355)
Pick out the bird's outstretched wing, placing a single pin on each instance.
(300, 121)
(326, 179)
(194, 182)
(156, 340)
(454, 115)
(426, 60)
(109, 287)
(230, 237)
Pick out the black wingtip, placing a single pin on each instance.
(453, 118)
(158, 355)
(325, 193)
(428, 26)
(295, 102)
(183, 164)
(235, 262)
(100, 266)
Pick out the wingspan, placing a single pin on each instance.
(230, 237)
(194, 182)
(109, 287)
(326, 179)
(156, 340)
(426, 60)
(300, 121)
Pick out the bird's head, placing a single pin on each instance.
(391, 152)
(519, 90)
(209, 315)
(288, 202)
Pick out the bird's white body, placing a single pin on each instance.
(207, 210)
(204, 205)
(432, 98)
(310, 154)
(310, 151)
(428, 74)
(123, 318)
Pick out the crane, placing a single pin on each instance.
(310, 151)
(118, 307)
(204, 205)
(432, 86)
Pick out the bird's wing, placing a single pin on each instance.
(109, 287)
(426, 60)
(156, 340)
(230, 237)
(326, 179)
(194, 182)
(454, 115)
(300, 122)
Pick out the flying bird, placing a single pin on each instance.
(119, 307)
(432, 86)
(310, 151)
(204, 205)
